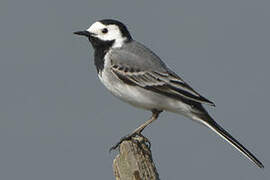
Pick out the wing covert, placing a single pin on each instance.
(160, 82)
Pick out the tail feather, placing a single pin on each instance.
(209, 122)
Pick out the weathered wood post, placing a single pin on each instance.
(134, 161)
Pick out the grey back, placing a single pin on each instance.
(137, 56)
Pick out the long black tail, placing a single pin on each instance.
(209, 122)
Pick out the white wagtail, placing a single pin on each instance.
(136, 75)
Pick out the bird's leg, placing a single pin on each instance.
(138, 131)
(154, 116)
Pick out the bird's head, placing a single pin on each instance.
(107, 32)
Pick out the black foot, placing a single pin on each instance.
(125, 138)
(146, 141)
(130, 137)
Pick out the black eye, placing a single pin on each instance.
(104, 30)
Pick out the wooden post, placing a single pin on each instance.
(134, 162)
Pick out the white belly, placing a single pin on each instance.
(140, 97)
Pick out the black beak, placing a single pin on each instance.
(83, 33)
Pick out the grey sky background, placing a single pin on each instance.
(58, 121)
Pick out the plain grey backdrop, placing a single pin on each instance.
(57, 121)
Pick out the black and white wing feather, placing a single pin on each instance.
(138, 66)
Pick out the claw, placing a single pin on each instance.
(130, 138)
(125, 138)
(146, 140)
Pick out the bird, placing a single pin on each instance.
(136, 75)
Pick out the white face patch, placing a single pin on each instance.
(113, 33)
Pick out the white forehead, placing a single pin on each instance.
(96, 26)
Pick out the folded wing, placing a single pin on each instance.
(167, 83)
(137, 65)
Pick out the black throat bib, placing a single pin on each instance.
(101, 48)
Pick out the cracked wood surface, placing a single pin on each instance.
(134, 161)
